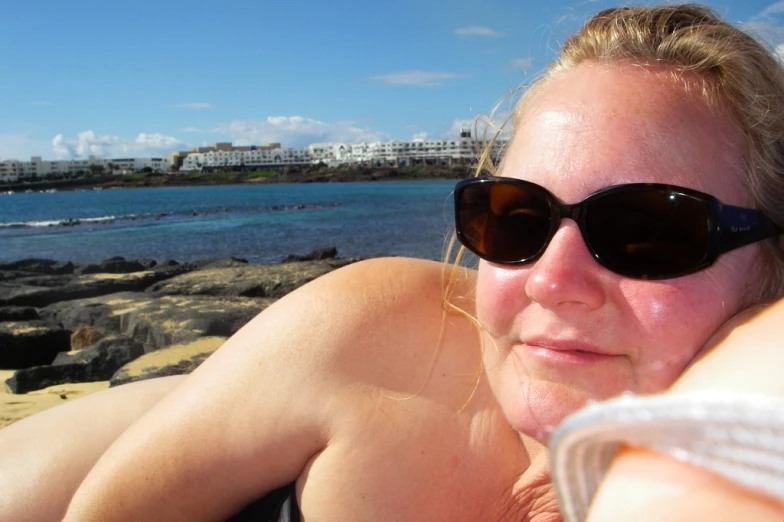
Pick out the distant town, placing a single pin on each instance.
(228, 157)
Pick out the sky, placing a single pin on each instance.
(144, 78)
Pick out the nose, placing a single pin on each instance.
(566, 277)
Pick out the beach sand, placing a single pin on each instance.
(15, 407)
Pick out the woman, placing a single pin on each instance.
(383, 401)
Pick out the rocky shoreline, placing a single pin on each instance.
(125, 320)
(312, 174)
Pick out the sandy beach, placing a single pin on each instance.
(16, 407)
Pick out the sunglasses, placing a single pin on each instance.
(639, 230)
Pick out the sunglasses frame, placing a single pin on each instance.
(729, 227)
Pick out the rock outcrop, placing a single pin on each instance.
(124, 320)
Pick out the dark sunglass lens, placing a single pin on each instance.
(648, 232)
(503, 222)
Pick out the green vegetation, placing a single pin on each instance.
(196, 176)
(261, 174)
(224, 176)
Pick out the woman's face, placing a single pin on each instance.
(564, 330)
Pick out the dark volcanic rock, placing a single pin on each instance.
(78, 287)
(39, 266)
(114, 265)
(247, 280)
(316, 254)
(158, 322)
(103, 359)
(76, 314)
(147, 263)
(174, 360)
(29, 379)
(46, 281)
(18, 313)
(31, 343)
(227, 262)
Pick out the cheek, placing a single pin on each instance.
(675, 320)
(500, 296)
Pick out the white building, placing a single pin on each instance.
(246, 159)
(396, 153)
(36, 169)
(120, 166)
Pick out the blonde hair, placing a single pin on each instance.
(735, 75)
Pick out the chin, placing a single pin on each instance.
(539, 406)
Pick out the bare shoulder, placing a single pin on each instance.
(308, 373)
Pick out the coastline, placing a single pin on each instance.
(69, 330)
(315, 174)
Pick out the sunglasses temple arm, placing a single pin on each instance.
(743, 226)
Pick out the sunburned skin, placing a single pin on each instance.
(356, 415)
(381, 407)
(745, 357)
(566, 330)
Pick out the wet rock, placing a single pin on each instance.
(31, 343)
(39, 266)
(114, 265)
(174, 360)
(147, 263)
(316, 254)
(227, 262)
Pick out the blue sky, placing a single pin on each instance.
(142, 78)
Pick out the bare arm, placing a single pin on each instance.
(43, 458)
(255, 413)
(747, 357)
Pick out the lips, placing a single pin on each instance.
(566, 351)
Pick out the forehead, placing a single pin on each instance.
(598, 125)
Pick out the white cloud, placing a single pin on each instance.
(416, 78)
(477, 30)
(191, 130)
(521, 63)
(296, 131)
(769, 33)
(89, 143)
(768, 24)
(419, 136)
(773, 9)
(779, 52)
(156, 141)
(193, 106)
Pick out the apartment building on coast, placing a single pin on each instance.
(224, 156)
(462, 150)
(12, 171)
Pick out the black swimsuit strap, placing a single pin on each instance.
(279, 505)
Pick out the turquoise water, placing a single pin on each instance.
(262, 223)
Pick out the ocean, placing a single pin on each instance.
(260, 223)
